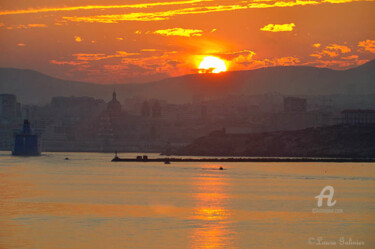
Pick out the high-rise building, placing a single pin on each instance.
(77, 107)
(8, 106)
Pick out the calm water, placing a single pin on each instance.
(89, 202)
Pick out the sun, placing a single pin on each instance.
(212, 64)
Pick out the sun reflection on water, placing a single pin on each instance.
(212, 214)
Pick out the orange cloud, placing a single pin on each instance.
(350, 57)
(149, 50)
(286, 61)
(95, 57)
(271, 62)
(246, 59)
(37, 25)
(279, 27)
(165, 15)
(341, 48)
(137, 69)
(153, 16)
(22, 26)
(77, 38)
(21, 44)
(316, 45)
(243, 57)
(17, 27)
(73, 63)
(179, 32)
(205, 9)
(99, 7)
(342, 64)
(368, 45)
(332, 50)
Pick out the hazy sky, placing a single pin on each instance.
(143, 40)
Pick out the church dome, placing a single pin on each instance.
(114, 106)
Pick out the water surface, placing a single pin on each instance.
(48, 202)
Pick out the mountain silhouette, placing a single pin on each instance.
(37, 88)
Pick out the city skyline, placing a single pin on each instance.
(152, 40)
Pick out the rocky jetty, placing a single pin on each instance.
(340, 141)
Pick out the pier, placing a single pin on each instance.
(242, 159)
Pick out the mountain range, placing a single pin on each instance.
(32, 87)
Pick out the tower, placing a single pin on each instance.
(114, 106)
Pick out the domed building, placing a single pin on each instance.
(114, 106)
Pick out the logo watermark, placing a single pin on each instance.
(342, 241)
(326, 193)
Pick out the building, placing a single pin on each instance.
(77, 107)
(358, 116)
(8, 106)
(203, 112)
(294, 104)
(114, 106)
(156, 109)
(145, 110)
(26, 142)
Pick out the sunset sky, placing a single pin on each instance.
(145, 40)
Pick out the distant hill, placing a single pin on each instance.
(332, 141)
(34, 87)
(37, 88)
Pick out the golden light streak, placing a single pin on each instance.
(157, 16)
(151, 16)
(212, 213)
(165, 15)
(99, 7)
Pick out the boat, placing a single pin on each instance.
(26, 142)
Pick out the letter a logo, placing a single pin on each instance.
(329, 196)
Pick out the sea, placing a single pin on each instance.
(83, 200)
